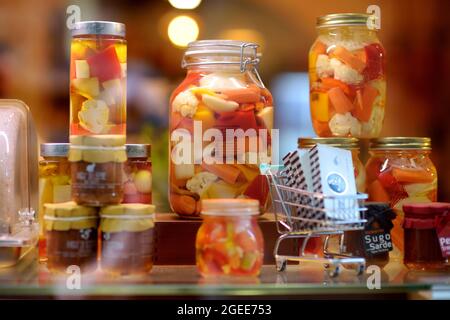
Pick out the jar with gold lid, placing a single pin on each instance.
(127, 232)
(400, 171)
(347, 77)
(351, 144)
(71, 233)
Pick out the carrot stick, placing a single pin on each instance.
(348, 58)
(329, 83)
(412, 175)
(339, 100)
(377, 192)
(244, 95)
(228, 173)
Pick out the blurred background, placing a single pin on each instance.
(34, 63)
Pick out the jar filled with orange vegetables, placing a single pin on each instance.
(230, 241)
(347, 77)
(351, 144)
(400, 171)
(221, 118)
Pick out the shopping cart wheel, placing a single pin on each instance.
(360, 269)
(281, 265)
(334, 271)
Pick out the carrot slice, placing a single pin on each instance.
(364, 103)
(245, 95)
(348, 58)
(377, 192)
(339, 100)
(319, 47)
(412, 175)
(329, 83)
(322, 129)
(228, 173)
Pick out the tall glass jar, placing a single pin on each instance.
(54, 182)
(137, 186)
(347, 78)
(98, 65)
(230, 241)
(398, 172)
(221, 118)
(351, 144)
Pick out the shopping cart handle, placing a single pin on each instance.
(266, 168)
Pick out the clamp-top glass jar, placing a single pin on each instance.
(351, 144)
(98, 65)
(400, 171)
(221, 118)
(347, 77)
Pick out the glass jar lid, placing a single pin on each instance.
(138, 150)
(54, 149)
(342, 19)
(231, 52)
(344, 143)
(400, 143)
(108, 28)
(230, 207)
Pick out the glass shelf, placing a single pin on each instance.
(31, 279)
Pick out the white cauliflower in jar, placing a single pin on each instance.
(223, 81)
(343, 124)
(323, 67)
(201, 182)
(185, 103)
(344, 73)
(372, 128)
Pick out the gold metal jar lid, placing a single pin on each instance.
(344, 143)
(342, 19)
(400, 143)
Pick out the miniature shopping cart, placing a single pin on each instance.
(300, 214)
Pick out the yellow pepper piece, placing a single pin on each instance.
(319, 106)
(312, 66)
(205, 115)
(200, 91)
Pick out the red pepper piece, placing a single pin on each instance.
(237, 119)
(258, 189)
(105, 65)
(375, 66)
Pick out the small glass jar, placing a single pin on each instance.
(422, 248)
(137, 187)
(98, 67)
(347, 77)
(400, 171)
(374, 241)
(54, 183)
(351, 144)
(72, 238)
(97, 174)
(230, 241)
(222, 92)
(127, 238)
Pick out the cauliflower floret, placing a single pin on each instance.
(223, 81)
(344, 73)
(350, 45)
(343, 124)
(200, 182)
(323, 67)
(372, 128)
(185, 103)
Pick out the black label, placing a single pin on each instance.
(377, 241)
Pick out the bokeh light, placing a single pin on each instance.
(185, 4)
(182, 30)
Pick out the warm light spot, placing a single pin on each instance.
(182, 30)
(185, 4)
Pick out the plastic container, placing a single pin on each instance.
(400, 171)
(127, 232)
(137, 186)
(54, 182)
(229, 241)
(347, 77)
(98, 66)
(222, 91)
(18, 182)
(97, 174)
(72, 237)
(422, 248)
(351, 144)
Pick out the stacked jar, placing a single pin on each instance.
(221, 118)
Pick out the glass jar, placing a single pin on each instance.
(221, 93)
(97, 174)
(374, 241)
(230, 241)
(127, 238)
(347, 78)
(98, 67)
(71, 232)
(351, 144)
(54, 183)
(422, 248)
(400, 171)
(137, 186)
